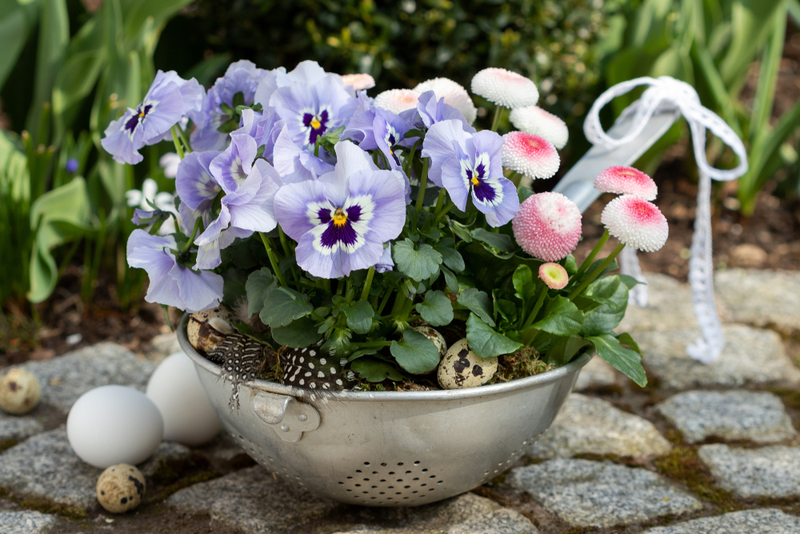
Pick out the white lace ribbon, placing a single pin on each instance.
(668, 95)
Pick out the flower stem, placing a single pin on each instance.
(368, 283)
(273, 260)
(175, 140)
(536, 307)
(590, 258)
(498, 117)
(515, 178)
(182, 134)
(196, 228)
(423, 182)
(594, 274)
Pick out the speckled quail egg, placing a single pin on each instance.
(19, 391)
(206, 329)
(120, 488)
(462, 368)
(434, 335)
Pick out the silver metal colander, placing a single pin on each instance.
(387, 448)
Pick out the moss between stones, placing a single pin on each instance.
(683, 465)
(184, 483)
(45, 506)
(7, 444)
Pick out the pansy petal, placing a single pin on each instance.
(292, 206)
(199, 291)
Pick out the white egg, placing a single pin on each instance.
(176, 390)
(114, 425)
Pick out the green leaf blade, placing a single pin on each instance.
(487, 343)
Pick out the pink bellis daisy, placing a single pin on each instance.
(453, 95)
(547, 226)
(397, 100)
(531, 155)
(534, 120)
(505, 88)
(553, 275)
(358, 82)
(626, 181)
(636, 222)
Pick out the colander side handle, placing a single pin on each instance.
(288, 417)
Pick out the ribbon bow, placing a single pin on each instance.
(668, 95)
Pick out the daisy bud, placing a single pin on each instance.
(453, 94)
(359, 81)
(505, 88)
(531, 155)
(397, 100)
(626, 181)
(553, 275)
(547, 226)
(636, 222)
(534, 120)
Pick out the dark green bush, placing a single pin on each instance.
(556, 43)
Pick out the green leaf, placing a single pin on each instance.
(57, 216)
(418, 264)
(477, 302)
(461, 231)
(415, 353)
(605, 318)
(629, 281)
(359, 316)
(450, 279)
(524, 193)
(437, 309)
(258, 289)
(485, 342)
(524, 284)
(624, 360)
(571, 265)
(626, 339)
(373, 370)
(17, 19)
(235, 285)
(52, 46)
(500, 242)
(561, 318)
(297, 334)
(283, 305)
(564, 348)
(451, 258)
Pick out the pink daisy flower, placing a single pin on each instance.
(505, 88)
(453, 94)
(534, 120)
(530, 155)
(547, 226)
(397, 100)
(636, 222)
(626, 181)
(359, 81)
(553, 275)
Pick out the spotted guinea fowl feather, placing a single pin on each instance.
(241, 359)
(311, 368)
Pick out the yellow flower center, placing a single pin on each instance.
(141, 114)
(475, 181)
(315, 123)
(339, 216)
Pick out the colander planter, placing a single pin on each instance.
(387, 448)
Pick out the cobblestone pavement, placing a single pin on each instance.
(702, 449)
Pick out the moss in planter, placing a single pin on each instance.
(523, 363)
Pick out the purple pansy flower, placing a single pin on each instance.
(263, 127)
(171, 284)
(464, 163)
(246, 209)
(295, 164)
(168, 100)
(193, 182)
(385, 264)
(342, 220)
(378, 128)
(240, 77)
(310, 111)
(430, 111)
(231, 167)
